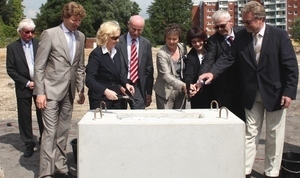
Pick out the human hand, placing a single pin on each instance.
(110, 94)
(130, 88)
(81, 98)
(286, 101)
(31, 85)
(205, 78)
(193, 90)
(123, 90)
(41, 101)
(148, 100)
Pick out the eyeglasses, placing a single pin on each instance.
(217, 27)
(115, 37)
(27, 32)
(248, 22)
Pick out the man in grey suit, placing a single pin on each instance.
(143, 85)
(59, 71)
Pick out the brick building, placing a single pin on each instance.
(280, 13)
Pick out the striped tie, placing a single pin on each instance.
(133, 63)
(257, 46)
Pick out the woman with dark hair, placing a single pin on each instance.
(169, 86)
(196, 38)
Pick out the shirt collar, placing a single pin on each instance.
(129, 39)
(105, 50)
(261, 31)
(231, 34)
(23, 42)
(65, 28)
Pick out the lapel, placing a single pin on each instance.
(265, 43)
(123, 49)
(21, 51)
(77, 49)
(63, 41)
(249, 41)
(169, 58)
(222, 42)
(141, 49)
(109, 63)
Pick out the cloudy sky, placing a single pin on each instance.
(32, 6)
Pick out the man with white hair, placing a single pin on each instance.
(20, 59)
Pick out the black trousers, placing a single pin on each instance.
(24, 107)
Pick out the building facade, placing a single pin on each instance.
(279, 13)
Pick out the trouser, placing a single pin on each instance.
(24, 106)
(57, 119)
(275, 128)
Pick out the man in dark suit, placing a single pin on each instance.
(226, 88)
(59, 73)
(20, 60)
(269, 72)
(144, 84)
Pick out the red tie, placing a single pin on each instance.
(230, 40)
(133, 62)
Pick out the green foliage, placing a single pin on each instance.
(97, 12)
(147, 32)
(11, 13)
(161, 13)
(296, 30)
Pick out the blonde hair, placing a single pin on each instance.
(106, 30)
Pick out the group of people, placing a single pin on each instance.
(252, 70)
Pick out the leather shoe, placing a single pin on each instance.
(269, 176)
(64, 175)
(248, 176)
(29, 150)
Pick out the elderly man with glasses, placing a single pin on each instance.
(226, 89)
(269, 73)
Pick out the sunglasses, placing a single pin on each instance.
(115, 37)
(222, 26)
(27, 32)
(248, 22)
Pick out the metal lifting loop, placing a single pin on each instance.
(220, 112)
(212, 102)
(102, 103)
(95, 113)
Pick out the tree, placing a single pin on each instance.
(161, 13)
(97, 12)
(11, 13)
(296, 30)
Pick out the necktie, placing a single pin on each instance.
(257, 46)
(230, 40)
(29, 59)
(133, 62)
(71, 46)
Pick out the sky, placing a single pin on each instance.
(32, 7)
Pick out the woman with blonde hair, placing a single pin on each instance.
(103, 71)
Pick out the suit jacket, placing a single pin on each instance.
(102, 73)
(17, 67)
(166, 80)
(54, 75)
(217, 45)
(145, 62)
(191, 73)
(275, 75)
